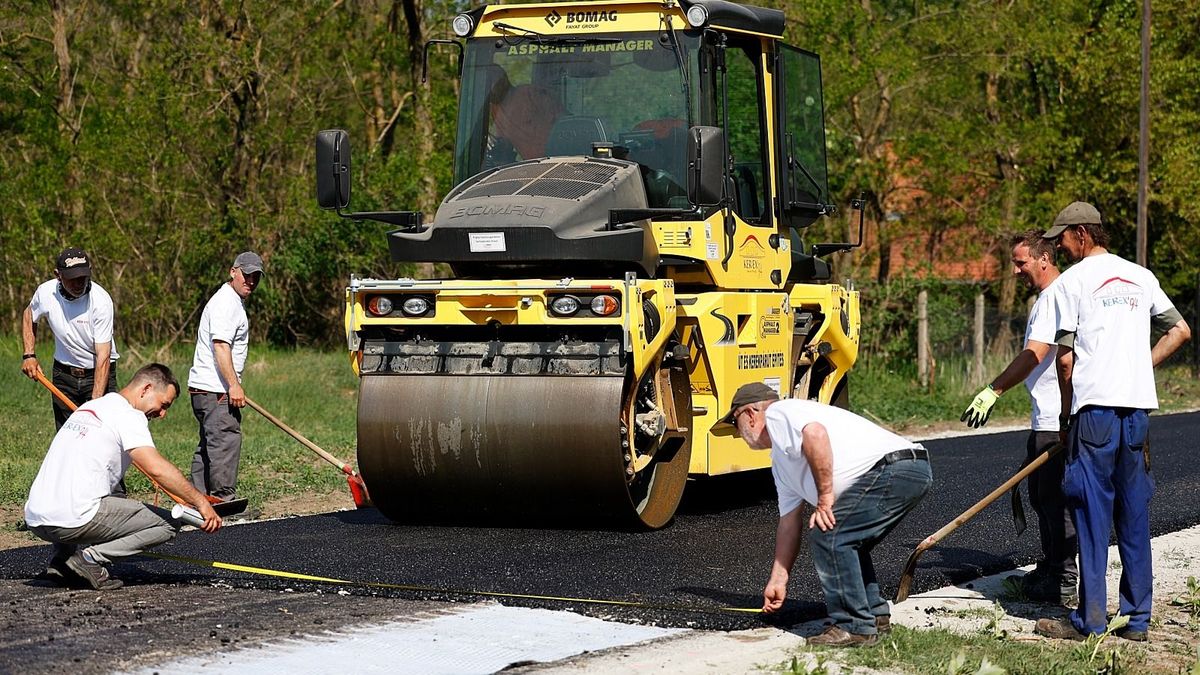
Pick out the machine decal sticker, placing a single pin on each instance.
(756, 361)
(727, 338)
(486, 242)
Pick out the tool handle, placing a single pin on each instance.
(992, 496)
(345, 468)
(72, 407)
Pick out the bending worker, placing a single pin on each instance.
(1105, 306)
(215, 381)
(70, 504)
(1056, 574)
(80, 314)
(861, 481)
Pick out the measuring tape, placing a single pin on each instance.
(446, 591)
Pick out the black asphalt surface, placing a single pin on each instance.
(715, 555)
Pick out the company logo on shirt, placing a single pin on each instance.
(1118, 292)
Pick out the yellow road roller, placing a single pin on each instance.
(632, 179)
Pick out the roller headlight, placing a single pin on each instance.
(415, 306)
(380, 305)
(463, 25)
(697, 16)
(604, 305)
(564, 305)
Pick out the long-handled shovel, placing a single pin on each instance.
(358, 489)
(910, 567)
(223, 508)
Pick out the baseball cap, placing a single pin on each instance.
(747, 394)
(1076, 213)
(73, 263)
(248, 262)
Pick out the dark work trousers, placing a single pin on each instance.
(76, 384)
(1108, 485)
(1059, 544)
(215, 465)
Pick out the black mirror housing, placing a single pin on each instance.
(333, 169)
(706, 165)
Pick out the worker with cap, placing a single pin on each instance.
(859, 478)
(1055, 577)
(70, 502)
(214, 382)
(80, 314)
(1105, 306)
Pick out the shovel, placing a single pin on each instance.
(223, 508)
(910, 567)
(358, 489)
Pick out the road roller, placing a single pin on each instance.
(624, 250)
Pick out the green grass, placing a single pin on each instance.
(313, 392)
(942, 652)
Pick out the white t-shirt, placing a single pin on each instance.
(224, 319)
(1107, 302)
(857, 446)
(86, 460)
(1042, 383)
(78, 325)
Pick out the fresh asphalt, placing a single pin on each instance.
(714, 556)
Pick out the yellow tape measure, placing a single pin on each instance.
(429, 589)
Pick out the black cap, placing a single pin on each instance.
(73, 263)
(747, 394)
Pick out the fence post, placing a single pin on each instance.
(978, 373)
(923, 338)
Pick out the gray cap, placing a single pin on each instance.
(1076, 213)
(747, 394)
(248, 262)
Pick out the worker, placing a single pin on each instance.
(522, 120)
(215, 383)
(80, 314)
(859, 478)
(1056, 574)
(1105, 306)
(70, 504)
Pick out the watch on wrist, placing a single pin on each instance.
(30, 355)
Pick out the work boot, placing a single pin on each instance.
(251, 513)
(95, 574)
(838, 637)
(56, 571)
(1055, 588)
(883, 623)
(1059, 629)
(1132, 635)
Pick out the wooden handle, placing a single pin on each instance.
(345, 468)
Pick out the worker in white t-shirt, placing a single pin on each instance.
(70, 503)
(1105, 306)
(215, 381)
(859, 478)
(1056, 574)
(80, 314)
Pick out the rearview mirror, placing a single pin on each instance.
(333, 169)
(706, 165)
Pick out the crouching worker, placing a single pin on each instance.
(861, 481)
(70, 504)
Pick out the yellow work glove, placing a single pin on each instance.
(977, 414)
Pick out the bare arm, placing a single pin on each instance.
(1021, 366)
(102, 366)
(1066, 388)
(223, 354)
(787, 547)
(814, 443)
(1172, 340)
(30, 367)
(165, 474)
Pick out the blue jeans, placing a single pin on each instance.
(1107, 484)
(865, 513)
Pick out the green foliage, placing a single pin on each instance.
(1189, 600)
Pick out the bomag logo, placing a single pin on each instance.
(583, 19)
(757, 361)
(768, 327)
(505, 210)
(553, 18)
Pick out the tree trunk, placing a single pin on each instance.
(69, 118)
